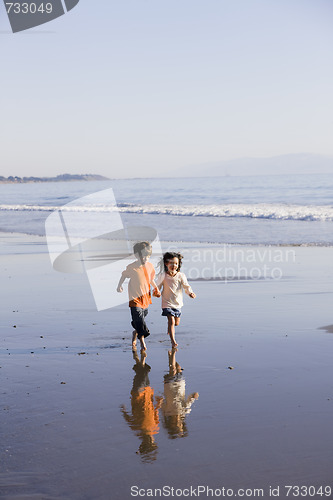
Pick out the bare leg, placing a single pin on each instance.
(141, 361)
(143, 344)
(171, 330)
(134, 336)
(135, 355)
(143, 358)
(177, 321)
(174, 367)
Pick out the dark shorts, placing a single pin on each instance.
(138, 321)
(171, 311)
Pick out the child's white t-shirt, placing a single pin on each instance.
(172, 293)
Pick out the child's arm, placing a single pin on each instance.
(119, 287)
(159, 280)
(190, 400)
(159, 401)
(156, 291)
(157, 286)
(121, 281)
(187, 287)
(129, 419)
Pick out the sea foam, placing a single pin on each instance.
(251, 211)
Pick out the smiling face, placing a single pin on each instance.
(172, 265)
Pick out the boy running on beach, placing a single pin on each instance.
(173, 283)
(141, 274)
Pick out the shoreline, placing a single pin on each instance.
(193, 243)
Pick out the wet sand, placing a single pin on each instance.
(246, 402)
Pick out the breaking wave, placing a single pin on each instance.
(251, 211)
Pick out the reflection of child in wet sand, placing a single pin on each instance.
(176, 405)
(141, 274)
(173, 283)
(144, 419)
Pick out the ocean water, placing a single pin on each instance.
(265, 210)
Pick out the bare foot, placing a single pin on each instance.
(174, 344)
(134, 335)
(143, 344)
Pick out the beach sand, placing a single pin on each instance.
(256, 352)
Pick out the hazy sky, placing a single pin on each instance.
(141, 87)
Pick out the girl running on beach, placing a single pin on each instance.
(173, 283)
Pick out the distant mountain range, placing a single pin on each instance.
(58, 178)
(304, 163)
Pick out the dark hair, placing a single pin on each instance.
(171, 255)
(142, 248)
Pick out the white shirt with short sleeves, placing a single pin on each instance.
(172, 293)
